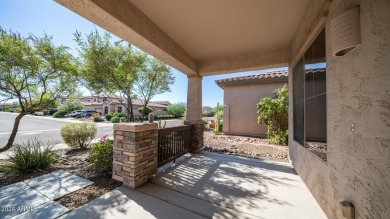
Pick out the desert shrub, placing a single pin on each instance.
(115, 119)
(218, 118)
(120, 115)
(101, 155)
(98, 119)
(122, 119)
(108, 117)
(78, 135)
(177, 109)
(274, 113)
(32, 155)
(148, 110)
(59, 114)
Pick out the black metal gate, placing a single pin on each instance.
(173, 143)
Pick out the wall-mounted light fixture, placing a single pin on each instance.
(345, 31)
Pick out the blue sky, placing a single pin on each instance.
(39, 16)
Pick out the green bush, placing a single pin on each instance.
(120, 115)
(148, 110)
(165, 117)
(98, 119)
(32, 155)
(177, 109)
(101, 155)
(122, 119)
(218, 118)
(78, 116)
(108, 117)
(115, 119)
(78, 135)
(59, 114)
(274, 113)
(205, 123)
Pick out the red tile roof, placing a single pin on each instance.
(276, 76)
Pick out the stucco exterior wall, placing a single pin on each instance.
(241, 117)
(358, 91)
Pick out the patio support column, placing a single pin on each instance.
(135, 153)
(194, 112)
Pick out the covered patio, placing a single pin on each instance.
(210, 185)
(349, 38)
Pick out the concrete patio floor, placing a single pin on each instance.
(209, 185)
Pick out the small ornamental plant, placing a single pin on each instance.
(78, 135)
(101, 155)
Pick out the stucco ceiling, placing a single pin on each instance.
(203, 37)
(209, 29)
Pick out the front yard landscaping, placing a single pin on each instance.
(244, 146)
(74, 161)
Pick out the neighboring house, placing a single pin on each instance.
(241, 95)
(108, 105)
(165, 103)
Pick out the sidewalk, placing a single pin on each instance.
(34, 198)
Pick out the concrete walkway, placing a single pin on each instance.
(209, 185)
(34, 198)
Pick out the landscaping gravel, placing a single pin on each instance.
(244, 146)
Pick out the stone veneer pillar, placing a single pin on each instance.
(135, 153)
(197, 135)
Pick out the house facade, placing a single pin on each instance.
(240, 97)
(110, 105)
(236, 36)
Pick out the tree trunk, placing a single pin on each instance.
(144, 109)
(14, 132)
(130, 113)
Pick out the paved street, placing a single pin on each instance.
(46, 128)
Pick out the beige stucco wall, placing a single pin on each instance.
(358, 90)
(242, 101)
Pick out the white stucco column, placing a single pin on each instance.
(194, 112)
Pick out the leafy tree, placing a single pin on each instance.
(46, 101)
(33, 71)
(110, 68)
(70, 105)
(177, 109)
(154, 79)
(274, 113)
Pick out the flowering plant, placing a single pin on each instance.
(102, 155)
